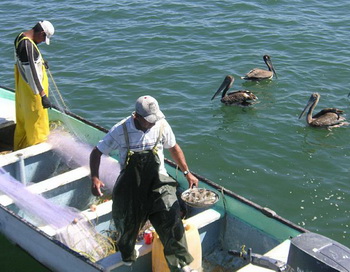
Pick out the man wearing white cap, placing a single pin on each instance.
(143, 189)
(32, 87)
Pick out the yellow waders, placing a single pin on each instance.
(32, 121)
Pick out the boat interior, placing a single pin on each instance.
(44, 172)
(232, 224)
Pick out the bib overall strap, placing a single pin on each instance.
(155, 148)
(130, 153)
(33, 43)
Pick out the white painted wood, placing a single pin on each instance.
(51, 183)
(26, 152)
(280, 253)
(204, 218)
(101, 209)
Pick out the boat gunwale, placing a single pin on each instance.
(244, 200)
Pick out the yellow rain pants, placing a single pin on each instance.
(32, 120)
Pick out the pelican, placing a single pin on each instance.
(242, 98)
(328, 118)
(260, 74)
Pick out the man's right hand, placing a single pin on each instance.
(96, 186)
(46, 102)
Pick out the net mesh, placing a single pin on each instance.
(71, 228)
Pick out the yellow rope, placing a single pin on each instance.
(105, 245)
(243, 251)
(58, 92)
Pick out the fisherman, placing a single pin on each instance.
(143, 189)
(31, 86)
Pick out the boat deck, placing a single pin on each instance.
(7, 112)
(7, 124)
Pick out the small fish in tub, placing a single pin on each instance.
(199, 197)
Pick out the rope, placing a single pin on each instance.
(57, 91)
(224, 226)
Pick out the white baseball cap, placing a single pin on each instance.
(148, 108)
(48, 29)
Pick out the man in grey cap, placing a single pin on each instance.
(143, 189)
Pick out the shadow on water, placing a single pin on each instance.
(319, 138)
(233, 115)
(257, 84)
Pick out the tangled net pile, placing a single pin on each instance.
(72, 229)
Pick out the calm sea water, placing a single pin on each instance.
(106, 54)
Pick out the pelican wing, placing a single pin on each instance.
(338, 112)
(327, 120)
(239, 97)
(258, 74)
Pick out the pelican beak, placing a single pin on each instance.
(309, 103)
(274, 71)
(225, 85)
(272, 68)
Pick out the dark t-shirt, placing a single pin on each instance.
(28, 55)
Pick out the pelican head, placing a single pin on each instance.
(313, 100)
(267, 60)
(225, 86)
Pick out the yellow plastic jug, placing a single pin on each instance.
(159, 263)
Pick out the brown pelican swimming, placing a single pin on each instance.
(242, 98)
(328, 118)
(260, 74)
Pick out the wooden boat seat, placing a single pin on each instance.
(51, 183)
(26, 152)
(204, 218)
(45, 185)
(101, 209)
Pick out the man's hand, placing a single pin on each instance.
(46, 64)
(46, 102)
(96, 186)
(192, 180)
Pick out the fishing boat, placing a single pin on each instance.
(232, 234)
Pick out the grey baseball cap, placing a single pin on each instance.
(147, 106)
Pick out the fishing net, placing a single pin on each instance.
(71, 228)
(75, 152)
